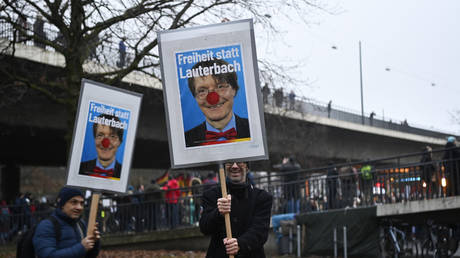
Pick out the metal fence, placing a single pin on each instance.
(390, 180)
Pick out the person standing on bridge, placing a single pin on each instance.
(122, 52)
(451, 159)
(279, 96)
(265, 93)
(332, 181)
(428, 170)
(291, 100)
(367, 183)
(249, 209)
(291, 190)
(39, 33)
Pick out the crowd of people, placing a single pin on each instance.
(371, 182)
(178, 201)
(279, 98)
(37, 31)
(21, 215)
(174, 201)
(166, 203)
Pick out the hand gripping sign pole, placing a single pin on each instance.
(223, 187)
(93, 213)
(230, 48)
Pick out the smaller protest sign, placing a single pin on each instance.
(104, 135)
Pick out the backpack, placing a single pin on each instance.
(25, 247)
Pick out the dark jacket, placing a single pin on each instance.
(427, 167)
(86, 168)
(452, 168)
(196, 135)
(290, 177)
(452, 152)
(249, 218)
(451, 159)
(69, 245)
(290, 166)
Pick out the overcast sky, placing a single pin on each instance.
(410, 59)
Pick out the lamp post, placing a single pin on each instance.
(361, 80)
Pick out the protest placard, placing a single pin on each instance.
(212, 94)
(103, 140)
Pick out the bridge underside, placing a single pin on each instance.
(36, 131)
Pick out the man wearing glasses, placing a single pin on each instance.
(249, 208)
(107, 139)
(214, 94)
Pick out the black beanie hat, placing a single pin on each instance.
(66, 194)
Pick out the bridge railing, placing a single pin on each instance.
(105, 52)
(321, 109)
(391, 180)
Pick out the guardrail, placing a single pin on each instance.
(105, 52)
(317, 108)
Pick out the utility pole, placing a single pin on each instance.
(361, 80)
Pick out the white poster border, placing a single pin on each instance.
(92, 91)
(239, 33)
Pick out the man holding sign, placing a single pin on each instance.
(64, 233)
(249, 210)
(214, 85)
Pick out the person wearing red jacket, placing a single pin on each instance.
(172, 197)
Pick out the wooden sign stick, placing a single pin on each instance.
(93, 213)
(223, 187)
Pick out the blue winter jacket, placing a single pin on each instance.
(69, 245)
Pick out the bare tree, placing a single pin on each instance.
(87, 33)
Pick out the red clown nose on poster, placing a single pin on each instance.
(212, 98)
(105, 143)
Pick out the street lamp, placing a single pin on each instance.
(361, 80)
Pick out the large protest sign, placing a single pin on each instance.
(103, 140)
(212, 94)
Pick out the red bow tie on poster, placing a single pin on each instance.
(103, 172)
(229, 134)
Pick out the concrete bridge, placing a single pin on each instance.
(312, 134)
(30, 123)
(32, 132)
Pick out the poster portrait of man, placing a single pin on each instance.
(105, 139)
(213, 96)
(211, 91)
